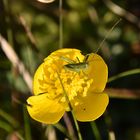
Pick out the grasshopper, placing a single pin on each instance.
(76, 67)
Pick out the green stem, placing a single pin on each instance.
(69, 126)
(124, 74)
(9, 118)
(70, 107)
(77, 126)
(65, 93)
(62, 129)
(60, 25)
(6, 126)
(95, 131)
(8, 22)
(27, 128)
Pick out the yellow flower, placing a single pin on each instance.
(84, 89)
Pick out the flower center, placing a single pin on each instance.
(58, 81)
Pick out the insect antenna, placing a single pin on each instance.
(86, 57)
(101, 44)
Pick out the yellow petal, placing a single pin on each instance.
(92, 107)
(38, 80)
(98, 71)
(66, 51)
(44, 110)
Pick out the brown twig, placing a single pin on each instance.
(51, 134)
(123, 93)
(122, 12)
(12, 56)
(28, 32)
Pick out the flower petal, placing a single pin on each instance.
(92, 107)
(39, 79)
(36, 84)
(98, 71)
(45, 110)
(68, 53)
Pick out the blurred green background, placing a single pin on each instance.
(32, 29)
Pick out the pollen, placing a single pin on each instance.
(76, 84)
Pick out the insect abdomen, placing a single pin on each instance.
(77, 67)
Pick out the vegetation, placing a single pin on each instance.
(31, 30)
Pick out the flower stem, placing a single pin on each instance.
(77, 126)
(60, 25)
(65, 93)
(70, 107)
(69, 126)
(123, 74)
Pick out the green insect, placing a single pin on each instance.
(74, 66)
